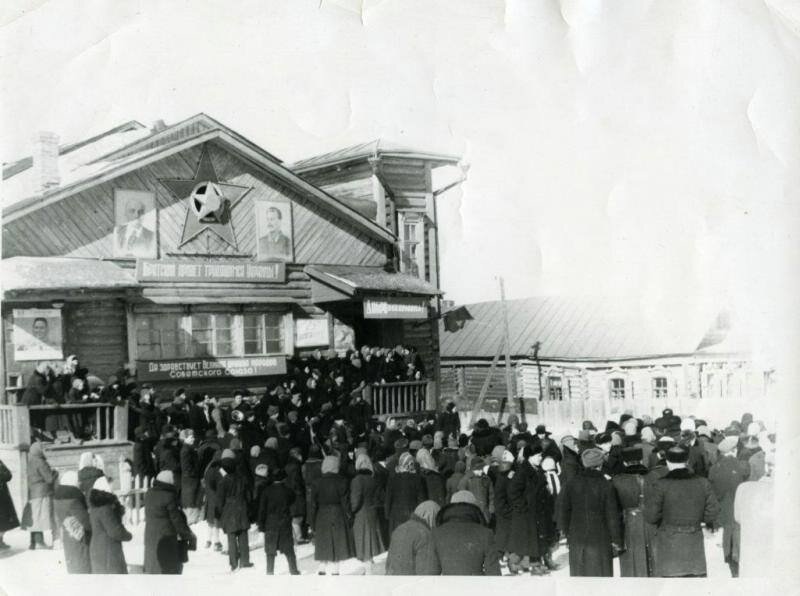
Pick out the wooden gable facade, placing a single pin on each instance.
(113, 328)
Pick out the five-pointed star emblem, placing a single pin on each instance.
(209, 201)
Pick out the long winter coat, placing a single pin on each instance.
(364, 505)
(72, 517)
(434, 486)
(330, 517)
(481, 487)
(232, 499)
(630, 494)
(8, 514)
(590, 519)
(294, 480)
(191, 474)
(403, 493)
(725, 477)
(525, 492)
(311, 471)
(108, 533)
(462, 542)
(679, 503)
(753, 513)
(503, 510)
(41, 477)
(274, 517)
(164, 525)
(411, 550)
(211, 479)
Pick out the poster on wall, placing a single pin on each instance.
(344, 338)
(37, 334)
(274, 230)
(311, 333)
(134, 224)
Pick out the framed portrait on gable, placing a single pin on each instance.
(274, 235)
(134, 224)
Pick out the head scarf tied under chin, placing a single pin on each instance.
(427, 511)
(425, 460)
(406, 463)
(363, 462)
(330, 465)
(69, 479)
(86, 460)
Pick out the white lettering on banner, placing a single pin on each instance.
(385, 308)
(201, 368)
(211, 271)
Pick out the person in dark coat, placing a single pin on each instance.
(529, 538)
(191, 475)
(108, 533)
(90, 468)
(8, 514)
(411, 551)
(363, 504)
(431, 478)
(629, 486)
(168, 453)
(166, 534)
(502, 503)
(462, 542)
(404, 492)
(311, 471)
(725, 476)
(590, 519)
(680, 502)
(72, 517)
(294, 480)
(571, 461)
(329, 515)
(449, 422)
(211, 479)
(232, 510)
(274, 519)
(143, 462)
(485, 438)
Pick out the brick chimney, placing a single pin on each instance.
(45, 161)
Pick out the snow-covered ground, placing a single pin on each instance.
(21, 562)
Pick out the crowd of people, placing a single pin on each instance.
(307, 461)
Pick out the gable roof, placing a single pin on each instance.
(145, 149)
(375, 148)
(576, 329)
(62, 273)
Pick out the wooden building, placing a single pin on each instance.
(578, 359)
(195, 258)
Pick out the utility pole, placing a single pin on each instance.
(512, 406)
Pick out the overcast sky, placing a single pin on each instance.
(642, 148)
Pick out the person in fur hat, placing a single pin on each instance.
(108, 533)
(680, 503)
(167, 536)
(630, 493)
(274, 519)
(726, 476)
(232, 510)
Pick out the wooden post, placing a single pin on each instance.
(22, 426)
(479, 402)
(512, 406)
(120, 423)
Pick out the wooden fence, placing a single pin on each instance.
(409, 397)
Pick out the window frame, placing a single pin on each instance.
(550, 387)
(655, 389)
(612, 390)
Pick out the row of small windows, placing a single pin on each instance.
(616, 388)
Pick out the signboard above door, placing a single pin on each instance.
(394, 307)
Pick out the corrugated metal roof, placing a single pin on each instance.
(364, 150)
(352, 278)
(61, 273)
(570, 328)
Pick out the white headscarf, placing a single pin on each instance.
(86, 460)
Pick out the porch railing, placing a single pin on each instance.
(407, 397)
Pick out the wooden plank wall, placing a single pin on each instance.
(96, 333)
(350, 184)
(82, 225)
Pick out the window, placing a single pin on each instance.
(166, 336)
(263, 333)
(412, 246)
(660, 388)
(160, 336)
(617, 388)
(554, 388)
